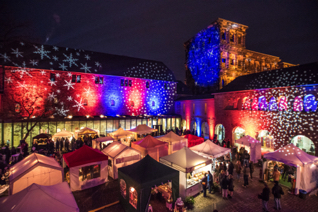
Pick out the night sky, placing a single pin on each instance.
(157, 29)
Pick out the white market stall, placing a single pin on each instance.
(191, 167)
(210, 150)
(63, 133)
(35, 168)
(142, 129)
(306, 165)
(175, 142)
(37, 197)
(120, 155)
(88, 167)
(151, 146)
(101, 142)
(123, 135)
(253, 146)
(87, 131)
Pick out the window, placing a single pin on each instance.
(126, 82)
(232, 61)
(147, 84)
(310, 103)
(122, 82)
(193, 109)
(239, 63)
(232, 37)
(110, 164)
(85, 102)
(123, 188)
(165, 86)
(52, 77)
(262, 103)
(133, 197)
(96, 80)
(130, 83)
(255, 104)
(272, 104)
(153, 103)
(89, 172)
(282, 103)
(112, 103)
(132, 104)
(78, 78)
(183, 108)
(247, 104)
(298, 104)
(239, 39)
(205, 108)
(17, 108)
(101, 80)
(224, 35)
(223, 60)
(73, 78)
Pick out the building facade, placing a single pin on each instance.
(217, 55)
(60, 88)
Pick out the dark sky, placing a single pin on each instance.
(157, 29)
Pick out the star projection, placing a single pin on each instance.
(203, 57)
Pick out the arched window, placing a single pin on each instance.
(112, 102)
(255, 104)
(133, 197)
(247, 104)
(298, 104)
(17, 108)
(153, 103)
(85, 102)
(310, 103)
(147, 84)
(272, 104)
(262, 103)
(282, 103)
(123, 188)
(132, 104)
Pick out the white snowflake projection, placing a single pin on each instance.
(51, 96)
(69, 74)
(8, 80)
(55, 58)
(42, 72)
(23, 71)
(51, 83)
(16, 52)
(69, 98)
(22, 85)
(70, 60)
(88, 92)
(21, 43)
(55, 48)
(79, 105)
(87, 57)
(63, 67)
(58, 91)
(98, 64)
(34, 62)
(5, 57)
(42, 52)
(69, 84)
(61, 111)
(57, 74)
(85, 68)
(77, 95)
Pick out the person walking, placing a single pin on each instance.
(210, 182)
(277, 191)
(238, 170)
(276, 175)
(204, 184)
(231, 168)
(245, 175)
(251, 164)
(224, 185)
(230, 186)
(264, 196)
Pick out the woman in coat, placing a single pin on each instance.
(230, 186)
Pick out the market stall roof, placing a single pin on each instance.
(102, 139)
(83, 155)
(87, 130)
(149, 142)
(114, 149)
(210, 149)
(291, 155)
(247, 140)
(63, 133)
(121, 133)
(36, 197)
(143, 129)
(193, 140)
(184, 160)
(42, 135)
(171, 137)
(31, 162)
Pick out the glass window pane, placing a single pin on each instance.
(97, 125)
(154, 121)
(109, 126)
(133, 123)
(103, 127)
(173, 123)
(60, 126)
(127, 124)
(7, 130)
(68, 126)
(44, 127)
(178, 122)
(52, 127)
(122, 124)
(144, 121)
(150, 122)
(164, 124)
(75, 126)
(36, 130)
(90, 124)
(28, 140)
(82, 124)
(116, 125)
(169, 124)
(138, 122)
(17, 134)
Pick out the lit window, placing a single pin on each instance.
(310, 103)
(85, 102)
(224, 35)
(165, 86)
(52, 77)
(73, 78)
(123, 188)
(223, 60)
(122, 82)
(282, 101)
(126, 82)
(147, 84)
(247, 104)
(239, 40)
(112, 103)
(262, 104)
(78, 78)
(232, 62)
(89, 172)
(17, 108)
(133, 197)
(232, 37)
(272, 104)
(298, 104)
(153, 103)
(96, 80)
(101, 80)
(130, 83)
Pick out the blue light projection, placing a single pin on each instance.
(310, 103)
(262, 103)
(272, 105)
(203, 57)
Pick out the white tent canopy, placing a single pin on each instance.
(307, 172)
(101, 140)
(87, 130)
(121, 133)
(35, 168)
(210, 149)
(143, 129)
(175, 142)
(254, 145)
(120, 155)
(63, 133)
(36, 197)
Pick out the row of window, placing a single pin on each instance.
(308, 104)
(232, 37)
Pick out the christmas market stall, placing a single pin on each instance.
(35, 168)
(87, 131)
(302, 172)
(41, 139)
(64, 134)
(253, 147)
(142, 129)
(37, 197)
(175, 142)
(88, 167)
(151, 146)
(101, 142)
(119, 155)
(191, 167)
(193, 140)
(137, 180)
(123, 135)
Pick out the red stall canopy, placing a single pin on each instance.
(193, 140)
(83, 155)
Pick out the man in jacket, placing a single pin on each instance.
(231, 168)
(204, 184)
(210, 181)
(277, 192)
(265, 197)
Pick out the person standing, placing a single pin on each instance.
(238, 170)
(251, 164)
(277, 192)
(264, 196)
(224, 185)
(216, 173)
(230, 186)
(210, 182)
(57, 145)
(245, 175)
(276, 175)
(285, 173)
(204, 184)
(231, 168)
(67, 144)
(61, 144)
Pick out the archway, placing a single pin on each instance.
(205, 130)
(193, 127)
(220, 132)
(304, 143)
(238, 133)
(183, 124)
(266, 139)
